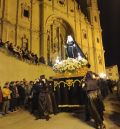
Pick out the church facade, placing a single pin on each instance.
(42, 26)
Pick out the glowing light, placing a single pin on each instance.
(93, 76)
(69, 38)
(79, 56)
(102, 75)
(57, 60)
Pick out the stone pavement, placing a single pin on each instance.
(24, 120)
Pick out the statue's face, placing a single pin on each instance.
(69, 40)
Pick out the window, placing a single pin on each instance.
(72, 10)
(97, 40)
(85, 36)
(26, 13)
(95, 18)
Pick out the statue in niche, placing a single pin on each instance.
(48, 48)
(24, 42)
(100, 59)
(86, 54)
(56, 41)
(61, 46)
(72, 48)
(55, 45)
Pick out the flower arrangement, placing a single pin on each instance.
(70, 65)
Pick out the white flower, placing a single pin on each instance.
(69, 65)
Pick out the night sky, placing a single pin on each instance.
(110, 23)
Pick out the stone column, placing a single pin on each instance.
(31, 24)
(94, 50)
(41, 45)
(16, 25)
(2, 19)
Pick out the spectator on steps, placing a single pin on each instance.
(6, 98)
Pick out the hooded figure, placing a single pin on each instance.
(73, 50)
(44, 100)
(94, 104)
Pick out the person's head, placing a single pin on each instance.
(6, 85)
(51, 78)
(70, 39)
(89, 75)
(31, 82)
(42, 77)
(24, 80)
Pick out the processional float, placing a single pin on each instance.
(69, 75)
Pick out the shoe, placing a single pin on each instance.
(37, 118)
(47, 118)
(101, 126)
(3, 114)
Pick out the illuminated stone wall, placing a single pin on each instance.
(13, 69)
(112, 72)
(43, 25)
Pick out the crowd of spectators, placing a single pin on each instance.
(22, 53)
(35, 96)
(38, 96)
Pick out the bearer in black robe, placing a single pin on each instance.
(34, 97)
(52, 95)
(44, 100)
(94, 104)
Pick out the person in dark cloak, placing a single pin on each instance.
(94, 103)
(52, 95)
(21, 92)
(34, 97)
(44, 100)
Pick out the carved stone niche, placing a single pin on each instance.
(100, 59)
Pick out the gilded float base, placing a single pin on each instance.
(78, 73)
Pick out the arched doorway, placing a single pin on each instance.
(57, 31)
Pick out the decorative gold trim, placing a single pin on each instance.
(69, 83)
(70, 106)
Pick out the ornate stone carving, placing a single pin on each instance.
(25, 42)
(100, 59)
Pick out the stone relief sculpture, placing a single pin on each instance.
(100, 59)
